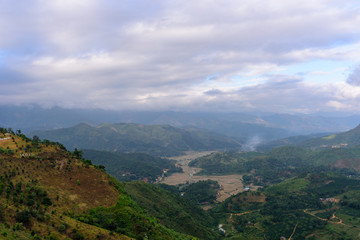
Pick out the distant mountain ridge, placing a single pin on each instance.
(130, 137)
(243, 126)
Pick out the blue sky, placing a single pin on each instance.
(209, 55)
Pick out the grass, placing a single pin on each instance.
(330, 137)
(7, 233)
(291, 185)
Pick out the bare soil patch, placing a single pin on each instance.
(229, 184)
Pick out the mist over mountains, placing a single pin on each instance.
(251, 128)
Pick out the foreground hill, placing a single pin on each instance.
(46, 192)
(313, 206)
(130, 137)
(173, 211)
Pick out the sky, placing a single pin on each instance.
(205, 55)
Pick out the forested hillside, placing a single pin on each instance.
(47, 192)
(279, 164)
(313, 206)
(133, 166)
(152, 139)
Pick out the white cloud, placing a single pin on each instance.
(159, 54)
(354, 77)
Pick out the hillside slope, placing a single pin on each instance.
(130, 137)
(46, 192)
(172, 210)
(239, 125)
(132, 166)
(345, 139)
(312, 206)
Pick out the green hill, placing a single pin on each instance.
(289, 141)
(315, 206)
(172, 210)
(132, 166)
(47, 192)
(279, 164)
(340, 140)
(130, 137)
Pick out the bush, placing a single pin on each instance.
(77, 235)
(1, 214)
(23, 216)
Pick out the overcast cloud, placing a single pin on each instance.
(181, 55)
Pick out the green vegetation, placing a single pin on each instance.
(303, 206)
(280, 163)
(202, 192)
(318, 141)
(291, 185)
(173, 211)
(332, 136)
(220, 163)
(47, 192)
(344, 139)
(132, 166)
(127, 217)
(259, 169)
(290, 141)
(157, 140)
(50, 193)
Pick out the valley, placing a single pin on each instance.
(180, 120)
(289, 191)
(229, 184)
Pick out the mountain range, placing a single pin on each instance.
(162, 140)
(345, 139)
(243, 126)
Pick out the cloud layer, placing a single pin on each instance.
(179, 55)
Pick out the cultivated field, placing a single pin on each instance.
(230, 184)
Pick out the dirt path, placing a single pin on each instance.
(239, 214)
(229, 184)
(293, 232)
(325, 219)
(335, 217)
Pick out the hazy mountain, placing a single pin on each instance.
(243, 126)
(294, 140)
(345, 139)
(131, 137)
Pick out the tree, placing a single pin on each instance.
(1, 214)
(78, 153)
(36, 139)
(23, 216)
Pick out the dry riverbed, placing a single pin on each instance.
(230, 184)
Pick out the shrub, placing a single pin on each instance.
(23, 216)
